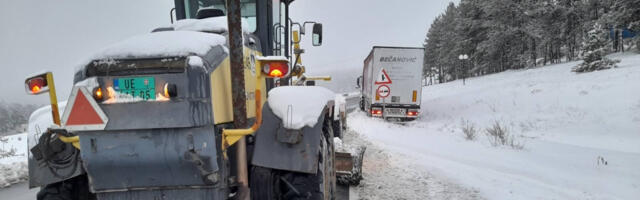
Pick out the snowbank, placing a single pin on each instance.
(299, 106)
(13, 166)
(580, 132)
(13, 169)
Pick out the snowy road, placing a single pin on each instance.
(19, 191)
(389, 175)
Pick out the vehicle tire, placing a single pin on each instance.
(337, 128)
(322, 184)
(329, 165)
(264, 183)
(76, 188)
(343, 125)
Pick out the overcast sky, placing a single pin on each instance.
(38, 35)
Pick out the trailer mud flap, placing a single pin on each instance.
(278, 148)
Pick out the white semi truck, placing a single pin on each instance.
(391, 83)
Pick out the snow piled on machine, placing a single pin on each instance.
(212, 25)
(190, 37)
(162, 44)
(299, 106)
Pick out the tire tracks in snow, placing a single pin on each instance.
(393, 176)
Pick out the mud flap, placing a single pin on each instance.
(290, 150)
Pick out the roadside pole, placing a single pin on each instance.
(384, 109)
(464, 73)
(238, 92)
(382, 93)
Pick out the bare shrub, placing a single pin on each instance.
(6, 152)
(469, 130)
(499, 135)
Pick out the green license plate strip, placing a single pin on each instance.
(142, 87)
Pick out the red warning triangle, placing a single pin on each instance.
(383, 77)
(82, 112)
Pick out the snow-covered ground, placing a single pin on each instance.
(569, 125)
(395, 176)
(13, 166)
(13, 159)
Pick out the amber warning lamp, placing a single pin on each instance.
(275, 66)
(42, 83)
(36, 84)
(271, 67)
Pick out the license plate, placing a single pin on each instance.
(141, 87)
(396, 111)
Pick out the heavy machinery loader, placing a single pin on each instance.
(151, 117)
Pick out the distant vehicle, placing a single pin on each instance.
(391, 83)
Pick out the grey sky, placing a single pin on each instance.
(352, 27)
(38, 35)
(57, 35)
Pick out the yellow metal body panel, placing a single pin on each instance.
(221, 88)
(296, 46)
(319, 78)
(53, 98)
(74, 140)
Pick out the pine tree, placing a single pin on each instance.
(594, 52)
(626, 15)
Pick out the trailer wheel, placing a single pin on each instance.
(76, 188)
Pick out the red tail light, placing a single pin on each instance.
(276, 69)
(376, 112)
(36, 84)
(412, 113)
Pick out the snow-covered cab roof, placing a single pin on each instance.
(186, 38)
(211, 25)
(162, 44)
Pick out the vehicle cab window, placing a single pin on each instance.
(278, 26)
(248, 9)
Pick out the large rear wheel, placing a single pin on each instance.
(76, 188)
(275, 184)
(322, 184)
(264, 183)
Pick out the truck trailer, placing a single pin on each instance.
(391, 83)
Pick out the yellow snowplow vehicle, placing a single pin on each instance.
(152, 117)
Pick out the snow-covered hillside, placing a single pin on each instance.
(580, 133)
